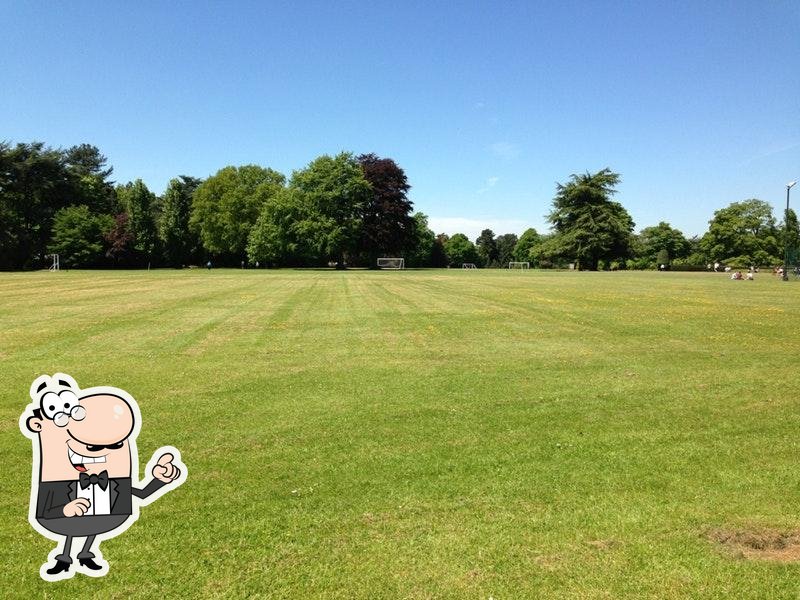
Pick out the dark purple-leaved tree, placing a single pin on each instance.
(387, 226)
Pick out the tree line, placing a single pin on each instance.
(343, 210)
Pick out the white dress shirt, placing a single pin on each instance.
(100, 498)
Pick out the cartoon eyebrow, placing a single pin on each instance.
(41, 387)
(64, 383)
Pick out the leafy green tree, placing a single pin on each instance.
(590, 226)
(646, 246)
(505, 248)
(421, 252)
(335, 192)
(225, 207)
(178, 240)
(78, 236)
(387, 227)
(34, 185)
(663, 237)
(487, 248)
(286, 232)
(743, 234)
(140, 205)
(552, 250)
(460, 250)
(527, 241)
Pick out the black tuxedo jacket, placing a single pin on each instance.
(54, 495)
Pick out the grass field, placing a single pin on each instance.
(427, 434)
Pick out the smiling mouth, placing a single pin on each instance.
(78, 460)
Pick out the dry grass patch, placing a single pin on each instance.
(759, 543)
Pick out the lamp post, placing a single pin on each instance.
(786, 234)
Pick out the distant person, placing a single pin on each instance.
(716, 267)
(243, 264)
(258, 265)
(208, 265)
(750, 276)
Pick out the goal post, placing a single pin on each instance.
(519, 265)
(56, 266)
(391, 263)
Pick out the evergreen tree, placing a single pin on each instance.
(590, 226)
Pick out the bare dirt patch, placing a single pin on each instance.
(602, 544)
(777, 545)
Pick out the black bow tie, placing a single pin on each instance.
(87, 480)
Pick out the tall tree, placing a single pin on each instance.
(178, 240)
(226, 206)
(89, 171)
(505, 248)
(336, 192)
(119, 241)
(591, 226)
(140, 205)
(790, 238)
(421, 252)
(743, 233)
(86, 159)
(286, 232)
(527, 241)
(34, 185)
(387, 227)
(487, 248)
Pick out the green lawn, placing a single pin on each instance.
(425, 434)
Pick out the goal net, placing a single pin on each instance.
(468, 266)
(519, 265)
(391, 263)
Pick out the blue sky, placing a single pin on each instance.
(485, 105)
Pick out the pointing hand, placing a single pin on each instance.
(164, 470)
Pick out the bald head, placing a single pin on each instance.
(109, 420)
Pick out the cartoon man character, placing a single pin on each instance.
(85, 468)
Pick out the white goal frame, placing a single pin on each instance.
(395, 264)
(519, 265)
(468, 266)
(56, 266)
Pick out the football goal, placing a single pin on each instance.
(56, 266)
(391, 263)
(468, 266)
(519, 265)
